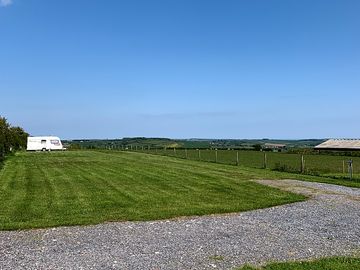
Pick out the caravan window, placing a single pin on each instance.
(55, 142)
(43, 141)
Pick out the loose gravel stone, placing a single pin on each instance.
(325, 225)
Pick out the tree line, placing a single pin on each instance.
(11, 138)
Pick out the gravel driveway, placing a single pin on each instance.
(327, 224)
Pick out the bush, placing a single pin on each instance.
(11, 138)
(285, 168)
(1, 161)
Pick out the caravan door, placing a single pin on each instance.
(43, 145)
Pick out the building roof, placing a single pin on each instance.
(340, 144)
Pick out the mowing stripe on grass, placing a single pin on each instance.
(86, 187)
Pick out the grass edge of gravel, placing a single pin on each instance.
(329, 263)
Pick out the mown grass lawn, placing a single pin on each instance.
(327, 167)
(324, 165)
(338, 263)
(87, 187)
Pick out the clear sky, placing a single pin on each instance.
(181, 68)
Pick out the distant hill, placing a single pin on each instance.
(189, 143)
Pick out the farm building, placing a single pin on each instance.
(340, 145)
(274, 147)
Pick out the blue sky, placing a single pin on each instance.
(181, 68)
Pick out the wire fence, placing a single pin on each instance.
(312, 164)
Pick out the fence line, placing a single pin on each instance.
(326, 165)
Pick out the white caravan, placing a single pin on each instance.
(44, 143)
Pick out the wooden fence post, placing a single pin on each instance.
(216, 155)
(302, 164)
(237, 158)
(265, 160)
(199, 154)
(350, 169)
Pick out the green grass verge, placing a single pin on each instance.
(253, 161)
(87, 187)
(322, 165)
(338, 263)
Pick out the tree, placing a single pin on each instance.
(18, 138)
(257, 147)
(11, 138)
(4, 136)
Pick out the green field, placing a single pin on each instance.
(322, 165)
(86, 187)
(337, 263)
(140, 142)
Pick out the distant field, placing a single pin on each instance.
(139, 142)
(86, 187)
(325, 165)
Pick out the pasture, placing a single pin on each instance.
(322, 165)
(87, 187)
